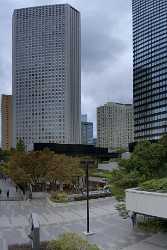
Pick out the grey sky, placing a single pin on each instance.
(106, 49)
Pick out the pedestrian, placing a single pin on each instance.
(16, 188)
(133, 218)
(0, 191)
(7, 194)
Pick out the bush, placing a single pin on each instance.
(155, 185)
(59, 197)
(153, 225)
(121, 207)
(71, 241)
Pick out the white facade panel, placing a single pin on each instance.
(148, 203)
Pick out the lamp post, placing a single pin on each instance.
(86, 164)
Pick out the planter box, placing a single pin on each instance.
(148, 203)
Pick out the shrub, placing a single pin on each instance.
(153, 225)
(71, 241)
(59, 197)
(155, 185)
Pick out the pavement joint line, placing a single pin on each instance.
(154, 244)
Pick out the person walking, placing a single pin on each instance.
(133, 218)
(7, 194)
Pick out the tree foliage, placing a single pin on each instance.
(155, 185)
(148, 161)
(42, 166)
(20, 146)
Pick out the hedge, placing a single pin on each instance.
(155, 185)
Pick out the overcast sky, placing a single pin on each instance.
(106, 49)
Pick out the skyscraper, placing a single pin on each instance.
(114, 125)
(150, 68)
(87, 133)
(46, 74)
(6, 122)
(84, 118)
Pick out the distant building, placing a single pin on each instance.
(84, 118)
(149, 69)
(114, 125)
(46, 75)
(95, 141)
(87, 133)
(6, 122)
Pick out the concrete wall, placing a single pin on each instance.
(39, 195)
(148, 203)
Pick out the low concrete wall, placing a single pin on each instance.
(148, 203)
(39, 195)
(27, 246)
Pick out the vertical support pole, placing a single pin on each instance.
(87, 189)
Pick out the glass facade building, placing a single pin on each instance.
(86, 132)
(149, 68)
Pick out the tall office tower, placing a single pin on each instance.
(150, 68)
(6, 122)
(84, 118)
(115, 125)
(46, 75)
(86, 132)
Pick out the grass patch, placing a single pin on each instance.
(101, 173)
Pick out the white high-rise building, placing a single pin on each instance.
(115, 126)
(46, 75)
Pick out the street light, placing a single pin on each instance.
(86, 164)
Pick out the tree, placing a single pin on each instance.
(148, 161)
(20, 146)
(38, 164)
(17, 168)
(29, 168)
(64, 169)
(38, 167)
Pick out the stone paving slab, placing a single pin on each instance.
(111, 231)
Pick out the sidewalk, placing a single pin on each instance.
(155, 242)
(6, 185)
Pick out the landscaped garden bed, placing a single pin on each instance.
(155, 185)
(67, 241)
(62, 197)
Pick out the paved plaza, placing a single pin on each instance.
(111, 231)
(7, 185)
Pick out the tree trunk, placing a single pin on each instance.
(61, 186)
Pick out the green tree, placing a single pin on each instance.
(29, 168)
(64, 169)
(20, 146)
(148, 161)
(17, 168)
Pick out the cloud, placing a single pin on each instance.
(106, 49)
